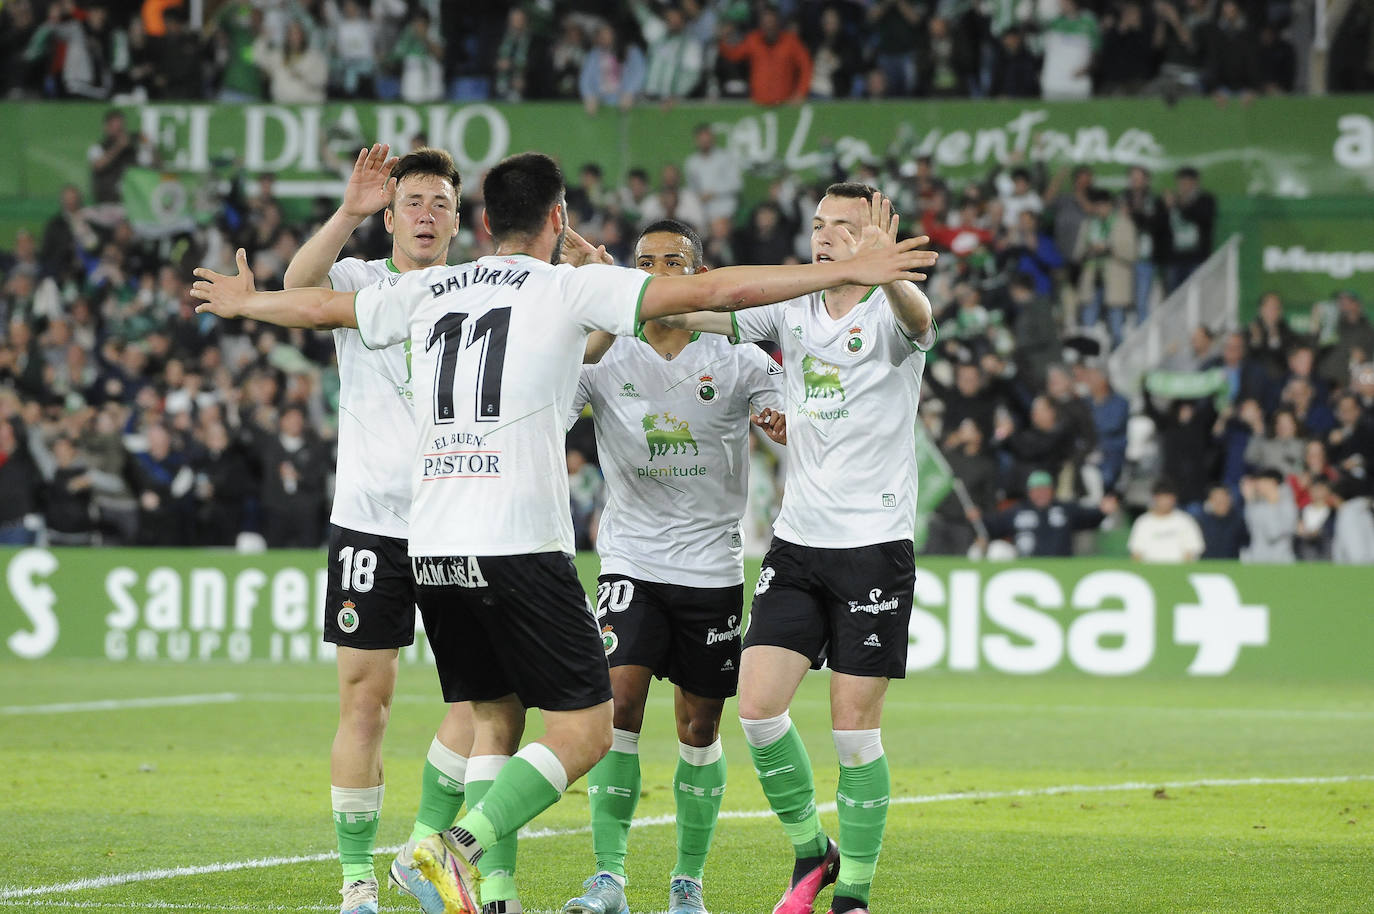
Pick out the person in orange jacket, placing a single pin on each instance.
(779, 64)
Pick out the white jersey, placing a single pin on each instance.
(495, 346)
(376, 420)
(852, 386)
(674, 443)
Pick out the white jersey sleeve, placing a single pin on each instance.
(762, 379)
(600, 296)
(383, 309)
(352, 274)
(754, 324)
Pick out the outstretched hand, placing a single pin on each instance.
(371, 186)
(224, 296)
(773, 423)
(578, 251)
(879, 227)
(892, 262)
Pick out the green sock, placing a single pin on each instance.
(613, 792)
(530, 783)
(784, 771)
(357, 813)
(861, 798)
(441, 791)
(498, 863)
(698, 788)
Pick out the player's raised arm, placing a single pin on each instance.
(370, 188)
(235, 296)
(734, 288)
(909, 304)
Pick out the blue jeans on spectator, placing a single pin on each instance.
(16, 534)
(900, 72)
(1144, 285)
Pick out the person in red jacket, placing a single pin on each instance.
(779, 64)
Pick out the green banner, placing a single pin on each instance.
(1089, 617)
(164, 202)
(935, 478)
(1286, 147)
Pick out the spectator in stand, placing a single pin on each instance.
(1034, 327)
(1231, 64)
(1075, 412)
(1032, 252)
(67, 235)
(1016, 71)
(1190, 214)
(293, 494)
(1110, 412)
(521, 58)
(21, 483)
(1197, 357)
(223, 486)
(612, 72)
(586, 492)
(1350, 444)
(68, 512)
(419, 53)
(951, 531)
(19, 72)
(296, 72)
(949, 66)
(1044, 444)
(1127, 62)
(1316, 525)
(162, 482)
(714, 175)
(1186, 445)
(1269, 337)
(1223, 528)
(1144, 208)
(1313, 415)
(835, 60)
(1071, 42)
(566, 55)
(235, 29)
(1352, 540)
(896, 29)
(1105, 252)
(1354, 340)
(1282, 450)
(352, 38)
(1179, 40)
(676, 58)
(1278, 64)
(1042, 526)
(1070, 209)
(1165, 534)
(1271, 516)
(968, 400)
(176, 60)
(633, 196)
(111, 157)
(779, 64)
(767, 240)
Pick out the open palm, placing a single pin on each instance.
(370, 187)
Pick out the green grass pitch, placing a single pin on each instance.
(1059, 793)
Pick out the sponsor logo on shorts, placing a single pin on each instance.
(875, 604)
(728, 666)
(447, 571)
(872, 641)
(714, 636)
(765, 578)
(348, 617)
(609, 640)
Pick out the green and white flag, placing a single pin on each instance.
(934, 479)
(161, 202)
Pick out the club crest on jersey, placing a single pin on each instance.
(609, 640)
(706, 390)
(854, 342)
(348, 617)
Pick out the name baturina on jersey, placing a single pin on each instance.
(480, 276)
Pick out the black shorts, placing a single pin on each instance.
(691, 635)
(517, 624)
(370, 602)
(849, 609)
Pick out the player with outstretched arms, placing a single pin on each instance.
(370, 604)
(836, 584)
(496, 346)
(673, 411)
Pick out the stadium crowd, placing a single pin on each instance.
(608, 52)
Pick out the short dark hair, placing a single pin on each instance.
(854, 190)
(674, 227)
(429, 161)
(519, 193)
(1187, 171)
(1164, 486)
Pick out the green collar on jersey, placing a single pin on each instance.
(391, 266)
(867, 295)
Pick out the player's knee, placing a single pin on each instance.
(629, 714)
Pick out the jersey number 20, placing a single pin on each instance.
(491, 329)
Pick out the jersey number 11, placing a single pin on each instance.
(491, 328)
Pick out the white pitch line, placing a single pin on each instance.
(99, 882)
(120, 704)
